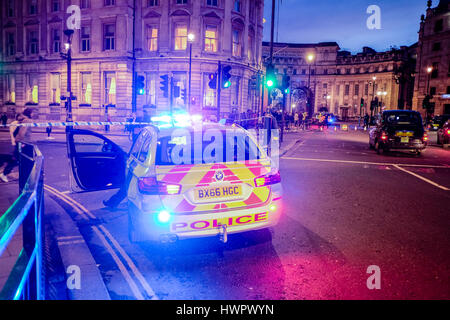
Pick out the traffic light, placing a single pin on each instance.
(286, 83)
(426, 102)
(140, 85)
(271, 78)
(176, 92)
(226, 76)
(213, 81)
(165, 85)
(362, 102)
(183, 95)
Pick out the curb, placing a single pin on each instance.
(75, 252)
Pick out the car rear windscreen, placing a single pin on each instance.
(209, 147)
(399, 119)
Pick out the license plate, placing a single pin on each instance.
(404, 140)
(202, 194)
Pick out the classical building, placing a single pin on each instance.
(34, 74)
(433, 60)
(342, 83)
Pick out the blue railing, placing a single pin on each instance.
(26, 279)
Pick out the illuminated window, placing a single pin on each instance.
(110, 88)
(32, 88)
(236, 43)
(152, 38)
(11, 88)
(55, 88)
(181, 38)
(150, 88)
(86, 88)
(209, 95)
(211, 39)
(179, 80)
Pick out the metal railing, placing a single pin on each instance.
(26, 279)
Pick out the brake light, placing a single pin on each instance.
(425, 137)
(448, 132)
(383, 136)
(268, 179)
(150, 186)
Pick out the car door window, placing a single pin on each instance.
(92, 144)
(144, 150)
(137, 145)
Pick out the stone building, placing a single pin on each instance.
(337, 81)
(33, 72)
(433, 60)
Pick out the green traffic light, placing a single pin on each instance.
(270, 83)
(227, 84)
(287, 91)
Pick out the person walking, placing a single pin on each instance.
(18, 134)
(4, 119)
(366, 121)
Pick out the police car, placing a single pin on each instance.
(189, 181)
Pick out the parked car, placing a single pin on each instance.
(399, 130)
(438, 122)
(443, 134)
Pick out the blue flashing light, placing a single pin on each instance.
(164, 216)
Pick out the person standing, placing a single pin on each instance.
(18, 134)
(4, 119)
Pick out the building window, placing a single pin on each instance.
(338, 89)
(237, 52)
(11, 88)
(213, 3)
(179, 80)
(180, 38)
(347, 90)
(366, 89)
(303, 71)
(152, 38)
(86, 88)
(209, 95)
(109, 2)
(181, 2)
(448, 90)
(55, 6)
(237, 5)
(56, 40)
(10, 8)
(432, 91)
(32, 7)
(85, 38)
(436, 46)
(152, 3)
(250, 48)
(439, 25)
(85, 4)
(32, 88)
(325, 71)
(110, 88)
(33, 42)
(356, 89)
(10, 44)
(109, 40)
(55, 88)
(150, 89)
(435, 72)
(211, 39)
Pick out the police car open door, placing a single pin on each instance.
(96, 162)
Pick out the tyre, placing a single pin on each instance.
(378, 147)
(135, 234)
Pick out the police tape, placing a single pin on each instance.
(74, 124)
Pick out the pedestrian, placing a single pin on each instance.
(49, 131)
(366, 122)
(296, 119)
(18, 134)
(4, 119)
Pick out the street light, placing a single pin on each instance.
(191, 39)
(310, 57)
(68, 57)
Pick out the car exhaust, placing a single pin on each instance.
(223, 233)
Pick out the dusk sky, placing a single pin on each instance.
(311, 21)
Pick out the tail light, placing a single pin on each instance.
(448, 132)
(384, 136)
(150, 186)
(425, 137)
(268, 179)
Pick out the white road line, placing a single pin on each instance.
(422, 178)
(367, 162)
(84, 213)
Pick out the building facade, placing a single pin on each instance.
(342, 83)
(34, 74)
(433, 61)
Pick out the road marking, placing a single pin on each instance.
(368, 163)
(102, 235)
(422, 178)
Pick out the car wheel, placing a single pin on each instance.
(378, 147)
(418, 152)
(135, 235)
(438, 139)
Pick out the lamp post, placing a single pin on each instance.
(310, 57)
(381, 94)
(68, 57)
(374, 78)
(429, 71)
(191, 39)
